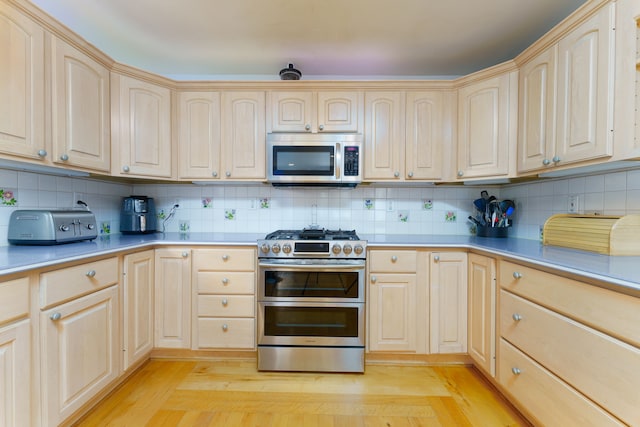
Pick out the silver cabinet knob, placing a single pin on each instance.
(410, 174)
(91, 273)
(436, 258)
(225, 257)
(516, 371)
(517, 275)
(321, 127)
(185, 254)
(42, 153)
(556, 159)
(546, 162)
(225, 302)
(228, 174)
(516, 317)
(55, 316)
(396, 174)
(460, 173)
(64, 157)
(214, 174)
(225, 327)
(225, 280)
(373, 279)
(125, 168)
(394, 258)
(307, 127)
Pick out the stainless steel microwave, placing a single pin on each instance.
(314, 159)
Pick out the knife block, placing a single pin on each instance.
(610, 235)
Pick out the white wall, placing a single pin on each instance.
(262, 208)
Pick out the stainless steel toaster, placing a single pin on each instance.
(51, 226)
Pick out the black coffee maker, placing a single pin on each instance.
(138, 215)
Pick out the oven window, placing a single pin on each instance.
(311, 284)
(306, 160)
(311, 321)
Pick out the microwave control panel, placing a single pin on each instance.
(351, 161)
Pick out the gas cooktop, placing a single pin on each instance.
(312, 242)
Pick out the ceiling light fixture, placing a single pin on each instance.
(290, 73)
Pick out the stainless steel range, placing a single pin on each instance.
(311, 301)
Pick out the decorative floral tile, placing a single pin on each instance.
(450, 216)
(184, 226)
(7, 197)
(403, 216)
(161, 214)
(105, 227)
(207, 202)
(265, 203)
(368, 204)
(427, 204)
(230, 214)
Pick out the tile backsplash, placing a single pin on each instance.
(369, 209)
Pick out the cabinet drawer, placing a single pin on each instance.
(394, 261)
(233, 259)
(220, 282)
(599, 366)
(14, 299)
(608, 311)
(71, 282)
(226, 333)
(226, 305)
(544, 396)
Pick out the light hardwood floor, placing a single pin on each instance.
(233, 393)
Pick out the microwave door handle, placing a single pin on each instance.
(338, 160)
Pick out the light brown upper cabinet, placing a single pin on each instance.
(80, 110)
(566, 101)
(243, 135)
(384, 136)
(198, 122)
(141, 128)
(487, 119)
(309, 111)
(21, 86)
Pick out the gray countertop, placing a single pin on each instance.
(620, 271)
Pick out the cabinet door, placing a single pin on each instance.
(172, 298)
(384, 136)
(585, 98)
(144, 112)
(243, 135)
(79, 354)
(537, 109)
(392, 300)
(481, 328)
(291, 111)
(21, 85)
(486, 120)
(338, 111)
(137, 308)
(425, 126)
(448, 302)
(80, 110)
(15, 375)
(199, 135)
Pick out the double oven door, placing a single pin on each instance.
(311, 302)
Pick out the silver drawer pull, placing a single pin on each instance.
(185, 254)
(517, 275)
(225, 302)
(516, 371)
(225, 257)
(91, 273)
(373, 279)
(516, 317)
(225, 327)
(394, 258)
(436, 258)
(55, 316)
(225, 280)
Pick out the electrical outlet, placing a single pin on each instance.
(574, 200)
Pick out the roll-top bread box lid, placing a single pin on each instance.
(611, 235)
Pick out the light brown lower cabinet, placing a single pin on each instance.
(481, 328)
(448, 302)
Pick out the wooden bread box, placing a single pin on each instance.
(610, 235)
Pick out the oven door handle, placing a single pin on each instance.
(316, 267)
